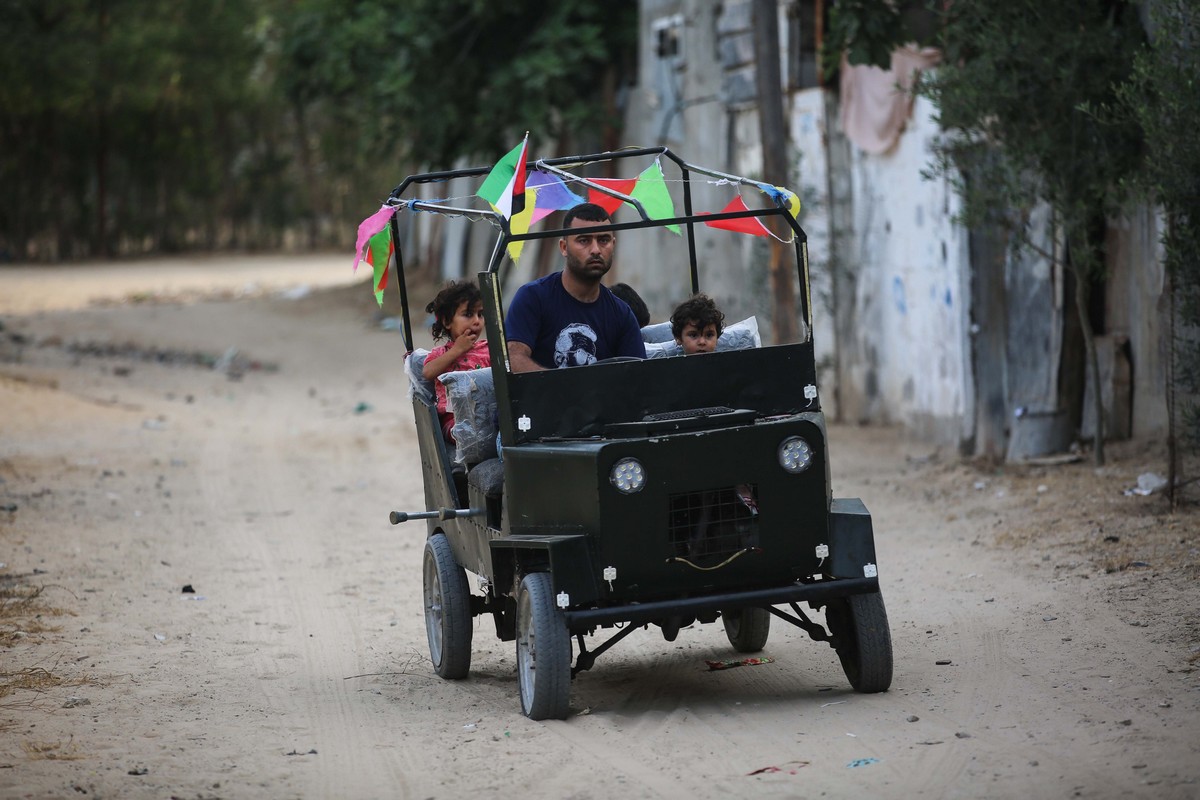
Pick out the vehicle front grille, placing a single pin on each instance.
(708, 527)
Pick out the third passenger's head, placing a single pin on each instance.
(696, 324)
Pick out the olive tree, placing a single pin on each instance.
(1163, 97)
(1012, 96)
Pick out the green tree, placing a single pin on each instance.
(866, 31)
(127, 126)
(1012, 95)
(438, 80)
(1163, 97)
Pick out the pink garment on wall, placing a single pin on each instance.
(876, 103)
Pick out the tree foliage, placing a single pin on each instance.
(1162, 96)
(121, 120)
(868, 31)
(865, 31)
(1013, 96)
(446, 79)
(129, 127)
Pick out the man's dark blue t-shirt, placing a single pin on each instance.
(563, 332)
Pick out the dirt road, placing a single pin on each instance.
(1044, 623)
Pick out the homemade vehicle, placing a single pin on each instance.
(596, 522)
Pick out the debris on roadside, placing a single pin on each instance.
(791, 768)
(296, 292)
(1147, 483)
(738, 662)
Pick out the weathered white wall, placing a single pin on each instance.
(910, 357)
(1137, 308)
(907, 358)
(811, 180)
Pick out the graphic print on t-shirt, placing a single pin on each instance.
(575, 346)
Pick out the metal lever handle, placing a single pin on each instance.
(396, 517)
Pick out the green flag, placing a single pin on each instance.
(651, 191)
(379, 252)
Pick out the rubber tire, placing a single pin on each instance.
(863, 640)
(447, 599)
(543, 650)
(747, 628)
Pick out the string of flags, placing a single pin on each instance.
(525, 196)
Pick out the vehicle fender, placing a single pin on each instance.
(852, 540)
(567, 557)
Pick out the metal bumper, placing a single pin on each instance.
(639, 613)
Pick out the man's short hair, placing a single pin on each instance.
(589, 212)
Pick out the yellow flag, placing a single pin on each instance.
(793, 201)
(520, 222)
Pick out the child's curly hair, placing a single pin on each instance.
(701, 311)
(444, 306)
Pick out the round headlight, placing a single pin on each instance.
(628, 475)
(795, 455)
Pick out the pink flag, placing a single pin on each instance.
(369, 227)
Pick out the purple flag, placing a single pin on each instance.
(552, 194)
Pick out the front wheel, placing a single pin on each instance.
(863, 640)
(447, 609)
(543, 650)
(747, 628)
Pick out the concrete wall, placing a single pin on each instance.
(904, 359)
(1137, 309)
(908, 328)
(908, 360)
(678, 102)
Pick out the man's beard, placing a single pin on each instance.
(591, 271)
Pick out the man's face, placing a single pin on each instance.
(589, 255)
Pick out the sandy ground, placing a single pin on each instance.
(1044, 623)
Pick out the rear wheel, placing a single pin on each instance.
(747, 628)
(447, 609)
(863, 640)
(543, 650)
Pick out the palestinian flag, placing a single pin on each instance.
(504, 186)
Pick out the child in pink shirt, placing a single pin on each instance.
(458, 317)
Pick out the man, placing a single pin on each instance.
(569, 318)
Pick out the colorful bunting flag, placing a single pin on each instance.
(606, 201)
(780, 193)
(552, 194)
(504, 187)
(750, 225)
(651, 191)
(368, 228)
(521, 221)
(379, 254)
